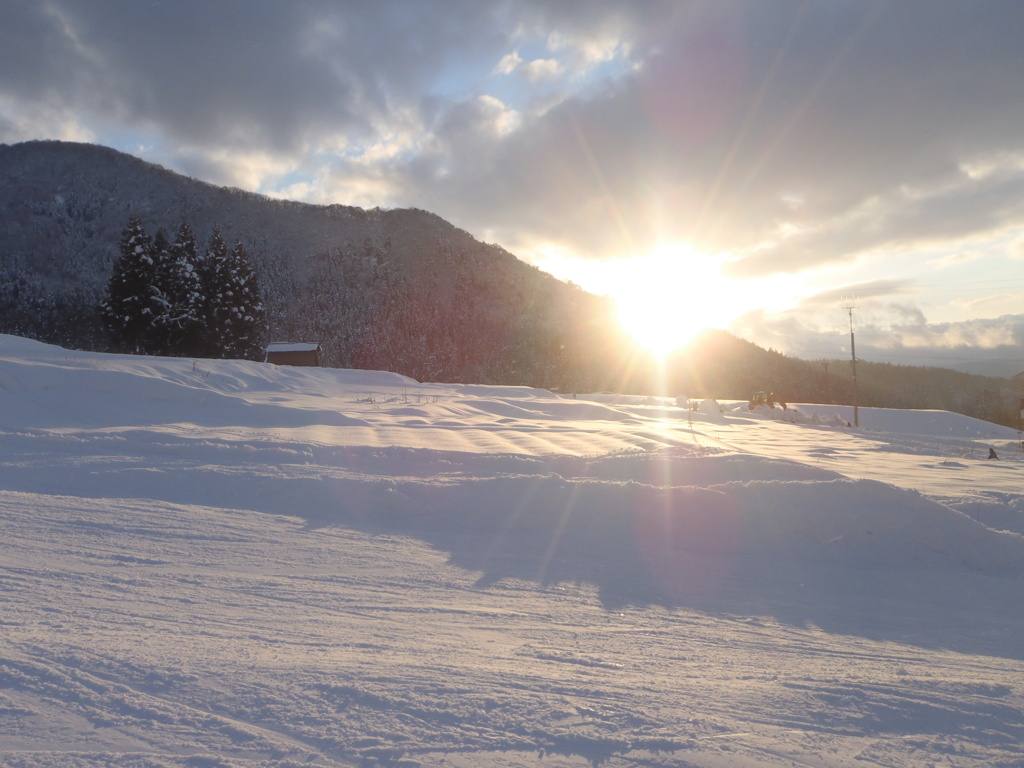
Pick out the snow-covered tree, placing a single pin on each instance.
(210, 276)
(131, 305)
(178, 326)
(236, 319)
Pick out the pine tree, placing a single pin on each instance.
(236, 314)
(131, 305)
(165, 299)
(211, 278)
(156, 335)
(180, 316)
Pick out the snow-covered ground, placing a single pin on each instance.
(224, 564)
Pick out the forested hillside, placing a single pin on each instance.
(399, 290)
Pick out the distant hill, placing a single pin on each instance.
(64, 205)
(400, 290)
(1005, 369)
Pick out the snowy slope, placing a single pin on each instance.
(224, 563)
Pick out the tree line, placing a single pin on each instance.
(165, 297)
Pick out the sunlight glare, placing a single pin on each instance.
(670, 295)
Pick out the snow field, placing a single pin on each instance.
(220, 563)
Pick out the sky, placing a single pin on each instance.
(776, 169)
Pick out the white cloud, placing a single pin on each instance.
(25, 121)
(1015, 250)
(978, 334)
(542, 69)
(988, 165)
(502, 119)
(990, 306)
(587, 51)
(957, 258)
(509, 63)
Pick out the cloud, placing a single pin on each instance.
(954, 212)
(22, 121)
(980, 334)
(535, 70)
(851, 294)
(888, 332)
(509, 63)
(542, 69)
(991, 305)
(728, 118)
(254, 75)
(1015, 250)
(961, 257)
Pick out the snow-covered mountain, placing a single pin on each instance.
(226, 563)
(356, 281)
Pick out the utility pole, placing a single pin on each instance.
(853, 355)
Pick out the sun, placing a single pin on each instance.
(667, 297)
(658, 326)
